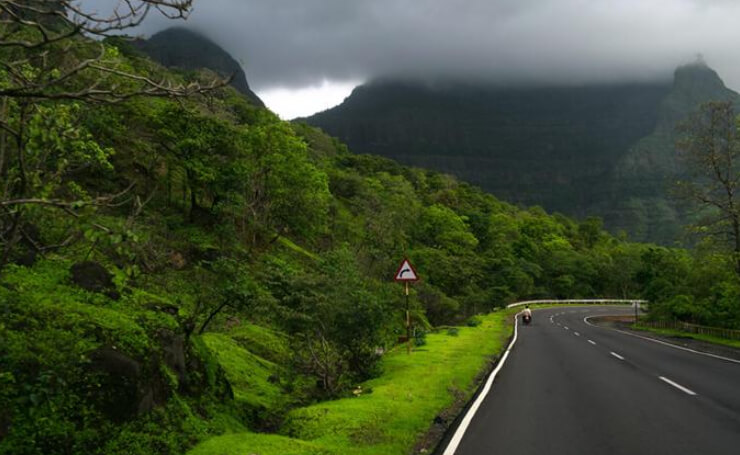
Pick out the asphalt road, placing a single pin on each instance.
(572, 388)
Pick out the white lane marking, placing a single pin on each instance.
(460, 432)
(678, 386)
(576, 334)
(671, 345)
(617, 355)
(592, 342)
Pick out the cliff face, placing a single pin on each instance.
(577, 150)
(181, 48)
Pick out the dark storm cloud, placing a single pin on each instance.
(301, 42)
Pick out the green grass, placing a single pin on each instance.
(400, 407)
(257, 444)
(262, 341)
(695, 336)
(298, 249)
(248, 374)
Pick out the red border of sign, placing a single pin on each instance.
(405, 260)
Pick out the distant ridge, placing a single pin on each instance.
(179, 47)
(605, 150)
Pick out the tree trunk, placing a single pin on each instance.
(211, 316)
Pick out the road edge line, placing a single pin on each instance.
(665, 343)
(462, 428)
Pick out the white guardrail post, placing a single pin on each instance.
(578, 302)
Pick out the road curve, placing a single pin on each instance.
(572, 388)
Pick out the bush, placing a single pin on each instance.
(420, 337)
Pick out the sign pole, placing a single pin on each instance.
(406, 274)
(408, 321)
(637, 307)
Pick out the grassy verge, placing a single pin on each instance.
(394, 411)
(695, 336)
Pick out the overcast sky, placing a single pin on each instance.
(311, 48)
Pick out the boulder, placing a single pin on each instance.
(128, 386)
(173, 353)
(118, 394)
(93, 277)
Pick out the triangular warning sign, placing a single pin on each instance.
(406, 272)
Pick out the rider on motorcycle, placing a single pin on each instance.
(527, 313)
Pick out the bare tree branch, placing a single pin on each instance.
(710, 151)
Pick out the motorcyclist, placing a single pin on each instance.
(527, 313)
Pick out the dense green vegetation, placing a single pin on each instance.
(390, 414)
(603, 150)
(176, 268)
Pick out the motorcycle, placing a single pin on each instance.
(526, 319)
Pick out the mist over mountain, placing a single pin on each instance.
(603, 149)
(183, 48)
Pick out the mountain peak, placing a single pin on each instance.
(184, 48)
(698, 76)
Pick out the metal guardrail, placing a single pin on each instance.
(718, 332)
(579, 302)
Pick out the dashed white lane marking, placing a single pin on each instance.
(670, 345)
(678, 386)
(592, 342)
(617, 355)
(576, 334)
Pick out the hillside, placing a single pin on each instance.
(570, 149)
(179, 265)
(179, 47)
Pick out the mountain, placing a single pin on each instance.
(178, 47)
(577, 150)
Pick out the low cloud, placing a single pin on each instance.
(298, 43)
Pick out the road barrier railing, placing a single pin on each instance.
(718, 332)
(579, 302)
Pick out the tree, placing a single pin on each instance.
(50, 68)
(710, 151)
(46, 54)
